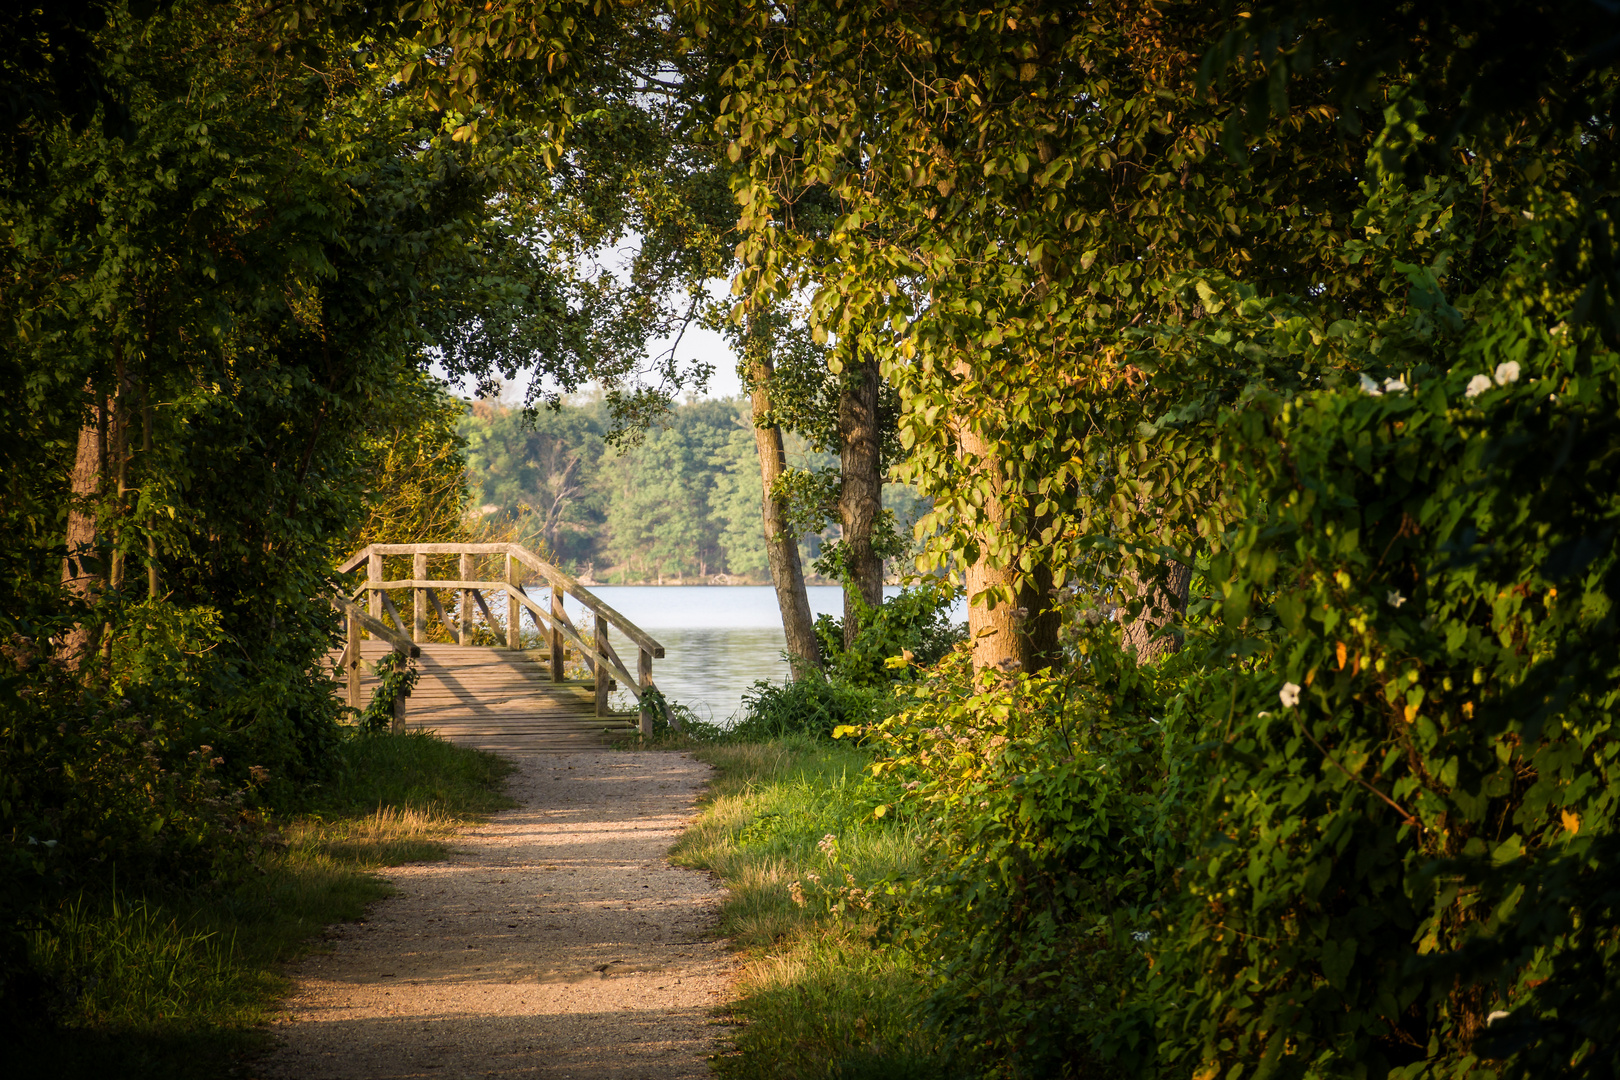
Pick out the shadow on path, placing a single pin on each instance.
(555, 942)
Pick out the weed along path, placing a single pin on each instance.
(556, 941)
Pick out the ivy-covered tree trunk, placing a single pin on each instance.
(84, 568)
(1164, 602)
(781, 545)
(1021, 635)
(860, 495)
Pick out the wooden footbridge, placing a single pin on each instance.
(478, 685)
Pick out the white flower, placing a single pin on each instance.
(1141, 935)
(1506, 373)
(1289, 695)
(1395, 598)
(828, 845)
(1478, 385)
(1370, 388)
(1394, 386)
(1496, 1015)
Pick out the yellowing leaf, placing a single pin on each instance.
(1572, 821)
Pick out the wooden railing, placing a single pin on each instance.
(357, 620)
(555, 627)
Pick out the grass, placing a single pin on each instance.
(181, 986)
(788, 825)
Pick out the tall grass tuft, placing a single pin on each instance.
(126, 963)
(388, 836)
(790, 826)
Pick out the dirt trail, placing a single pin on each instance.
(555, 942)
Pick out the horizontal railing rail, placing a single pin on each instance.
(554, 625)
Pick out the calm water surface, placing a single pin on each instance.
(718, 639)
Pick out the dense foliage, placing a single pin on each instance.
(230, 246)
(1259, 362)
(1365, 820)
(1294, 324)
(204, 301)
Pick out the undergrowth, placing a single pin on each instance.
(789, 826)
(180, 985)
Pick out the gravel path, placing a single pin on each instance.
(555, 942)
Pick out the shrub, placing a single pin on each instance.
(150, 765)
(1364, 823)
(397, 675)
(1056, 807)
(917, 621)
(1409, 816)
(811, 705)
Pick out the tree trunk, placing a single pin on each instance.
(118, 462)
(84, 568)
(152, 580)
(781, 545)
(860, 496)
(1021, 636)
(1164, 603)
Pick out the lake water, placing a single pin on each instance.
(718, 639)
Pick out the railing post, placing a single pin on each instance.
(419, 599)
(603, 676)
(556, 634)
(353, 653)
(464, 609)
(645, 671)
(513, 640)
(374, 574)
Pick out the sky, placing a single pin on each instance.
(697, 343)
(700, 343)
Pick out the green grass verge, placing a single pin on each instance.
(788, 826)
(182, 986)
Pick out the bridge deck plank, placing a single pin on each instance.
(492, 699)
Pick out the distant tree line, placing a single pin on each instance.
(682, 503)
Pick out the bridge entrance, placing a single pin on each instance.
(485, 682)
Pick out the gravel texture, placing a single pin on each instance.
(555, 942)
